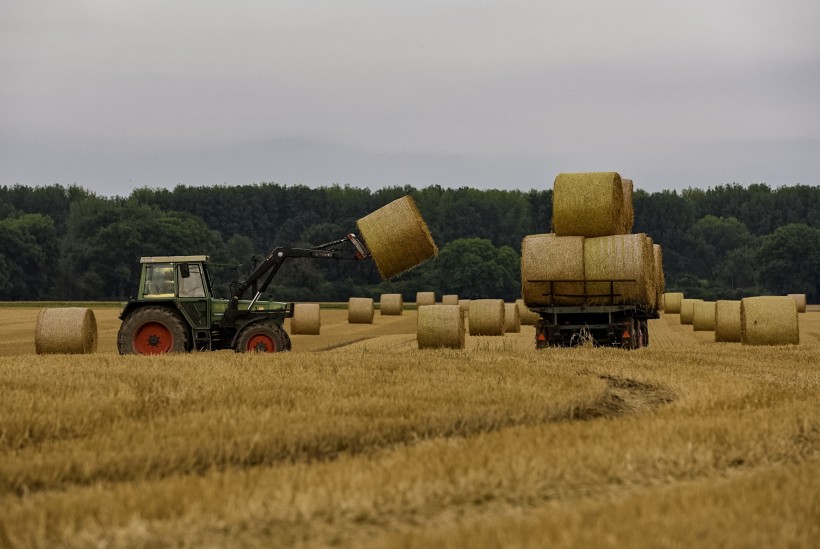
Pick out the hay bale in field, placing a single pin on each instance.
(425, 298)
(629, 211)
(727, 320)
(687, 311)
(449, 299)
(703, 316)
(660, 279)
(440, 326)
(512, 318)
(769, 320)
(487, 317)
(307, 319)
(623, 257)
(528, 318)
(397, 237)
(800, 301)
(550, 257)
(465, 305)
(360, 310)
(391, 304)
(588, 204)
(66, 330)
(672, 302)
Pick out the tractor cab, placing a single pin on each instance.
(169, 277)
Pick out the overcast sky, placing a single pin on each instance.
(114, 95)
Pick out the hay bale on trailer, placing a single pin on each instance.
(307, 319)
(800, 301)
(687, 310)
(703, 316)
(440, 326)
(487, 317)
(512, 318)
(425, 298)
(629, 211)
(672, 302)
(391, 304)
(660, 279)
(528, 318)
(769, 320)
(360, 310)
(727, 320)
(449, 299)
(66, 330)
(397, 237)
(588, 204)
(620, 257)
(551, 257)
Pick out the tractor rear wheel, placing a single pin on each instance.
(262, 337)
(153, 330)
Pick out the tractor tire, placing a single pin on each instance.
(262, 337)
(153, 330)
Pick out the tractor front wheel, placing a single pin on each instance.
(153, 330)
(262, 337)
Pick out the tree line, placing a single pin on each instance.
(67, 243)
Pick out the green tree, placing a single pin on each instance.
(28, 257)
(789, 261)
(474, 268)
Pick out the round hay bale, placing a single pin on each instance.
(391, 304)
(465, 306)
(660, 279)
(425, 298)
(727, 320)
(687, 310)
(449, 299)
(360, 310)
(629, 211)
(623, 257)
(769, 320)
(440, 326)
(397, 237)
(671, 302)
(703, 316)
(307, 319)
(800, 301)
(550, 257)
(487, 317)
(67, 330)
(512, 318)
(588, 204)
(528, 318)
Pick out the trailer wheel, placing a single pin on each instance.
(645, 332)
(262, 337)
(153, 330)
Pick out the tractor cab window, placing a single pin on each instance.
(190, 280)
(159, 280)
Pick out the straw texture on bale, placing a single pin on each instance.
(528, 318)
(391, 304)
(360, 310)
(703, 316)
(671, 302)
(551, 257)
(465, 305)
(449, 299)
(69, 330)
(687, 310)
(800, 301)
(727, 320)
(440, 326)
(307, 319)
(624, 257)
(487, 317)
(629, 211)
(425, 298)
(588, 204)
(397, 237)
(769, 320)
(512, 318)
(660, 279)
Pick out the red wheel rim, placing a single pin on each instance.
(261, 343)
(153, 338)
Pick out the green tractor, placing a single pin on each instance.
(175, 309)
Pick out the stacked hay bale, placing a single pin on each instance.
(487, 317)
(512, 318)
(800, 301)
(307, 319)
(589, 204)
(449, 299)
(703, 316)
(440, 326)
(425, 298)
(69, 330)
(660, 279)
(552, 257)
(626, 257)
(769, 320)
(727, 320)
(360, 310)
(391, 304)
(528, 318)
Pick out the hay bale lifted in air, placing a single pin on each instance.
(769, 320)
(727, 320)
(800, 301)
(68, 330)
(360, 310)
(307, 319)
(465, 306)
(629, 211)
(528, 318)
(550, 257)
(487, 317)
(397, 237)
(671, 302)
(624, 257)
(687, 311)
(391, 304)
(512, 318)
(425, 298)
(588, 204)
(449, 299)
(703, 316)
(440, 326)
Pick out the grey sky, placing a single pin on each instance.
(114, 95)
